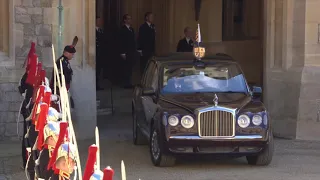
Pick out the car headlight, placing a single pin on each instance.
(173, 120)
(187, 121)
(265, 120)
(243, 121)
(257, 120)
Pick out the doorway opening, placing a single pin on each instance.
(242, 36)
(109, 16)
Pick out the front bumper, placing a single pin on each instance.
(248, 144)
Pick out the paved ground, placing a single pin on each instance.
(293, 160)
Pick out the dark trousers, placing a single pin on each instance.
(144, 61)
(129, 62)
(99, 67)
(25, 113)
(24, 145)
(32, 139)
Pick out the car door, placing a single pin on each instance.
(149, 102)
(138, 94)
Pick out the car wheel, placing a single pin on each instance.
(264, 158)
(138, 137)
(158, 157)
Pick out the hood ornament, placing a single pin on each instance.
(215, 100)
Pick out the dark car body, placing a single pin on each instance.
(215, 115)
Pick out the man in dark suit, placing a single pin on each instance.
(128, 48)
(186, 44)
(146, 40)
(99, 51)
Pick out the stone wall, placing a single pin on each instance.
(29, 25)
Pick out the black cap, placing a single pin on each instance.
(70, 49)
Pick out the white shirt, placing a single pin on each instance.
(188, 40)
(128, 26)
(98, 29)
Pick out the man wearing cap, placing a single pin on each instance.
(68, 54)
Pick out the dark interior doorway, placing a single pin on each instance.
(111, 13)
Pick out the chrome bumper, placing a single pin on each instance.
(252, 137)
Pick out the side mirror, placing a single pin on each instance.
(256, 91)
(148, 92)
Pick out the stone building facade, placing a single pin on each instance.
(27, 21)
(284, 57)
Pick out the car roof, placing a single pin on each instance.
(188, 57)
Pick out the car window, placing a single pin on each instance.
(218, 77)
(148, 74)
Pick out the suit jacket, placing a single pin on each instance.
(99, 40)
(67, 71)
(183, 46)
(147, 38)
(127, 40)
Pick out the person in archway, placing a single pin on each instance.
(128, 49)
(146, 40)
(186, 44)
(99, 51)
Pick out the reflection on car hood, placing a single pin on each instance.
(193, 101)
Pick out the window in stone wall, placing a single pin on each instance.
(4, 30)
(241, 19)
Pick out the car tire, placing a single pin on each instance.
(138, 136)
(264, 158)
(158, 157)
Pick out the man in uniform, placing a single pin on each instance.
(186, 44)
(39, 92)
(26, 90)
(68, 54)
(147, 40)
(65, 162)
(99, 51)
(128, 48)
(51, 134)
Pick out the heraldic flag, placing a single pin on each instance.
(198, 35)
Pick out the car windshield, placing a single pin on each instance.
(224, 77)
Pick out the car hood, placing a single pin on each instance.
(190, 102)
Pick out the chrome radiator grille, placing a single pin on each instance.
(216, 124)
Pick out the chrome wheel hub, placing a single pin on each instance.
(155, 149)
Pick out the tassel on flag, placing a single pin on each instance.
(198, 35)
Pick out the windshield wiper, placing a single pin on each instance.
(223, 92)
(233, 92)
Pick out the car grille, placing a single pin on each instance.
(216, 123)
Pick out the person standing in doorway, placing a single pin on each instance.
(99, 51)
(186, 44)
(128, 48)
(146, 40)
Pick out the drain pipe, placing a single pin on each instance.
(60, 35)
